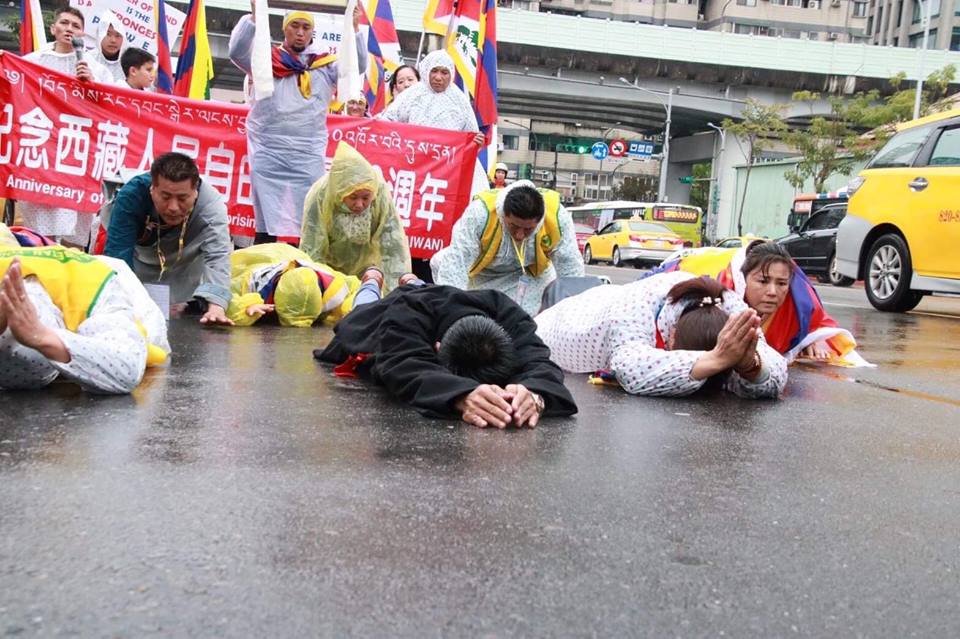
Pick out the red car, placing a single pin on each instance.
(584, 232)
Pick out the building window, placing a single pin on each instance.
(859, 9)
(918, 10)
(955, 39)
(511, 142)
(916, 40)
(747, 3)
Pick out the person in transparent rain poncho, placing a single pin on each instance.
(61, 224)
(111, 38)
(287, 132)
(435, 102)
(350, 221)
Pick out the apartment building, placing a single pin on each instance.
(826, 20)
(899, 23)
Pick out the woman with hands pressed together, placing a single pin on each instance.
(670, 334)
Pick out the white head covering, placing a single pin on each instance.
(107, 20)
(420, 104)
(434, 59)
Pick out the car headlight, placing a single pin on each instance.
(854, 185)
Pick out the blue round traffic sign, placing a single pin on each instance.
(600, 150)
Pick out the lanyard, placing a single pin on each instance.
(521, 254)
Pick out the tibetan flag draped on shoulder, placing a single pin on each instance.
(32, 34)
(472, 43)
(436, 18)
(383, 46)
(195, 63)
(164, 66)
(799, 322)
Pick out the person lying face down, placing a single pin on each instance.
(79, 317)
(453, 353)
(669, 334)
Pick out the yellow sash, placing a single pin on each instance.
(72, 279)
(547, 240)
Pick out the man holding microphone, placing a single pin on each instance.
(65, 55)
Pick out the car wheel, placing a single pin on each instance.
(834, 276)
(889, 271)
(587, 255)
(616, 257)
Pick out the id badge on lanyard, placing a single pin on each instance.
(524, 280)
(522, 284)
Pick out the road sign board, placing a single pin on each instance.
(618, 148)
(640, 149)
(600, 150)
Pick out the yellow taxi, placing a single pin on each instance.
(902, 230)
(634, 241)
(738, 241)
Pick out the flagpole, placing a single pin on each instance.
(423, 36)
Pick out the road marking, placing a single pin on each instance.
(814, 368)
(866, 308)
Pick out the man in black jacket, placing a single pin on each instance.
(449, 352)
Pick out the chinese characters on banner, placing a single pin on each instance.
(59, 138)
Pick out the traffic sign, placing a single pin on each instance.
(686, 179)
(641, 149)
(618, 148)
(600, 150)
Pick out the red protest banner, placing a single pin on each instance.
(59, 138)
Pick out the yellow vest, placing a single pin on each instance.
(547, 240)
(72, 279)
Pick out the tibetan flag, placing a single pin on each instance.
(801, 319)
(383, 47)
(195, 63)
(164, 67)
(437, 17)
(472, 43)
(32, 34)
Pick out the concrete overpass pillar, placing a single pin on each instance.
(722, 218)
(677, 192)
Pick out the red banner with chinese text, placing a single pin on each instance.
(60, 138)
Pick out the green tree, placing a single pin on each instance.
(636, 188)
(832, 145)
(761, 125)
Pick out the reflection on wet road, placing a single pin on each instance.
(245, 491)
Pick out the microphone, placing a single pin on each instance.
(78, 47)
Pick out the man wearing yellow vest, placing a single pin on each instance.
(538, 247)
(83, 317)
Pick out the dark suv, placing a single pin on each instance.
(814, 246)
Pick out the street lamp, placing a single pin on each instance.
(665, 156)
(535, 143)
(925, 7)
(712, 217)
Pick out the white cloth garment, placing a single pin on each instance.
(286, 137)
(108, 353)
(112, 67)
(54, 222)
(451, 265)
(615, 328)
(423, 106)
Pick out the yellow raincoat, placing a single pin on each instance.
(349, 242)
(303, 290)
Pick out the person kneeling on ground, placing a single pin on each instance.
(67, 314)
(540, 244)
(449, 353)
(351, 222)
(171, 227)
(665, 335)
(278, 278)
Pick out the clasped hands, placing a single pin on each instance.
(736, 348)
(491, 405)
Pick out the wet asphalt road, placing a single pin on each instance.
(244, 492)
